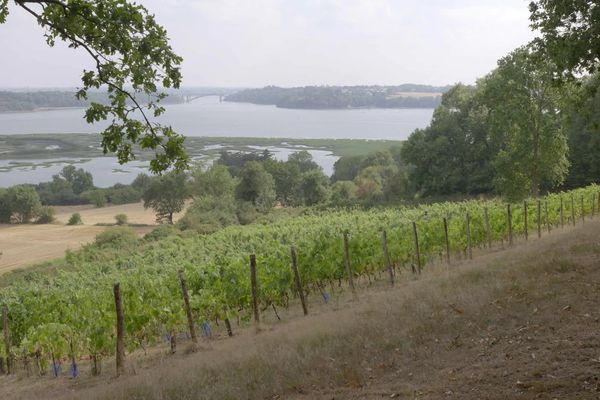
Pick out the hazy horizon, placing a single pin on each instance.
(235, 44)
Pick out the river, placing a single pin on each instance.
(208, 116)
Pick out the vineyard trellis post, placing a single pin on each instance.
(254, 288)
(539, 218)
(582, 211)
(546, 213)
(349, 263)
(488, 229)
(6, 330)
(562, 213)
(417, 251)
(593, 204)
(120, 353)
(298, 280)
(388, 261)
(598, 202)
(188, 308)
(468, 228)
(573, 210)
(525, 216)
(447, 240)
(509, 218)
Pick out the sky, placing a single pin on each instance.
(254, 43)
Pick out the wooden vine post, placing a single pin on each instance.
(582, 210)
(562, 213)
(417, 251)
(488, 229)
(468, 227)
(388, 261)
(525, 219)
(546, 214)
(539, 218)
(573, 210)
(593, 204)
(188, 308)
(299, 287)
(254, 288)
(447, 241)
(6, 330)
(349, 263)
(509, 218)
(120, 353)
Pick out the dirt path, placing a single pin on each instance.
(23, 245)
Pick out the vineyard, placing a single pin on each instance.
(166, 286)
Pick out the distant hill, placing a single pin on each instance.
(21, 100)
(341, 97)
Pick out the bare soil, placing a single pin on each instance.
(520, 323)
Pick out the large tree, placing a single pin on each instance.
(256, 186)
(525, 116)
(583, 133)
(24, 202)
(453, 154)
(132, 58)
(570, 33)
(166, 195)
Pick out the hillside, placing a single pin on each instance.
(341, 97)
(519, 323)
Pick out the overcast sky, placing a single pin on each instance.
(254, 43)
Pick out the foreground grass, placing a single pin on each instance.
(520, 323)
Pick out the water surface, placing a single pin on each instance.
(209, 117)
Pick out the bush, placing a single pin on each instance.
(161, 232)
(247, 213)
(75, 219)
(121, 194)
(96, 197)
(5, 209)
(121, 219)
(209, 214)
(118, 237)
(45, 215)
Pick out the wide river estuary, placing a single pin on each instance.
(209, 117)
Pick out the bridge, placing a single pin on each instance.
(190, 98)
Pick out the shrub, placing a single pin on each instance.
(96, 197)
(121, 219)
(209, 214)
(45, 215)
(5, 208)
(75, 219)
(121, 194)
(247, 213)
(118, 237)
(161, 232)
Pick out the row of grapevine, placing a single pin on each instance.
(72, 314)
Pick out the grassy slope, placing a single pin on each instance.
(520, 323)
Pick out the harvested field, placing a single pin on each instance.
(23, 245)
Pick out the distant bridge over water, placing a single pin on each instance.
(192, 97)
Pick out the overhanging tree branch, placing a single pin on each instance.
(128, 48)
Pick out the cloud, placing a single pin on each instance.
(289, 42)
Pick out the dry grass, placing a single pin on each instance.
(23, 245)
(519, 324)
